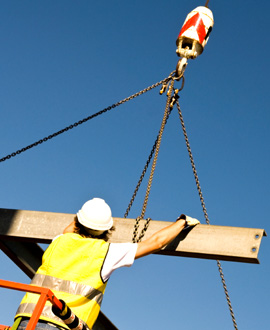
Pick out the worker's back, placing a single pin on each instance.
(71, 268)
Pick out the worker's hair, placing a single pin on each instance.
(82, 230)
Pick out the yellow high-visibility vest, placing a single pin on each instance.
(71, 268)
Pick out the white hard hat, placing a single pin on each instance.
(96, 214)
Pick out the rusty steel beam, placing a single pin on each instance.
(203, 241)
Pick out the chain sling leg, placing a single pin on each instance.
(205, 212)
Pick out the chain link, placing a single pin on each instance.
(192, 163)
(49, 137)
(143, 231)
(144, 171)
(164, 120)
(227, 294)
(205, 212)
(157, 149)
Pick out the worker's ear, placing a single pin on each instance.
(70, 228)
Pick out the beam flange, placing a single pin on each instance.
(203, 241)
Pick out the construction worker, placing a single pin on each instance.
(77, 264)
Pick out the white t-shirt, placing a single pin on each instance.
(119, 255)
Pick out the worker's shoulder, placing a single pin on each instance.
(74, 238)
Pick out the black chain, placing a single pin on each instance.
(144, 171)
(164, 120)
(192, 163)
(204, 211)
(157, 149)
(49, 137)
(143, 231)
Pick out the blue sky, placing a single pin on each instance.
(62, 61)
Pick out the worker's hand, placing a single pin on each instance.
(189, 221)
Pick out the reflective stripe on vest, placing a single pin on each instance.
(68, 287)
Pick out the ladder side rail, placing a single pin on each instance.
(45, 294)
(37, 312)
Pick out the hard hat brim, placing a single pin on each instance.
(88, 224)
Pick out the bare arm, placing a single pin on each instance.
(69, 228)
(160, 239)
